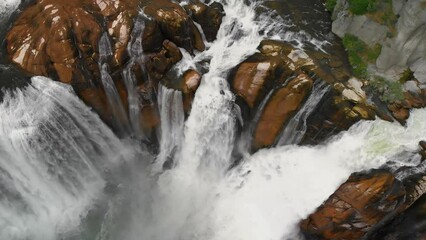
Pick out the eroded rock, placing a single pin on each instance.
(362, 205)
(60, 39)
(283, 104)
(356, 207)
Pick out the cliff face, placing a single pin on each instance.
(399, 26)
(385, 40)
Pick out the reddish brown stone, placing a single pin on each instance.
(356, 207)
(191, 82)
(175, 24)
(209, 17)
(279, 109)
(400, 113)
(251, 78)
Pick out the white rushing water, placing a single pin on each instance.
(54, 152)
(7, 7)
(295, 129)
(272, 190)
(113, 98)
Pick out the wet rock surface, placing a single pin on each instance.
(61, 40)
(282, 105)
(256, 79)
(362, 205)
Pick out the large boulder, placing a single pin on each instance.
(282, 105)
(174, 24)
(356, 206)
(254, 78)
(362, 205)
(275, 63)
(60, 39)
(209, 17)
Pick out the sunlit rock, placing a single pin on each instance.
(360, 207)
(282, 105)
(356, 207)
(60, 39)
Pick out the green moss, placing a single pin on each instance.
(390, 91)
(360, 55)
(384, 15)
(360, 7)
(330, 4)
(406, 76)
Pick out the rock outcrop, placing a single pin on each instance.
(363, 204)
(61, 40)
(265, 85)
(396, 30)
(397, 25)
(282, 105)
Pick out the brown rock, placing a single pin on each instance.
(279, 109)
(191, 82)
(209, 17)
(357, 206)
(161, 62)
(175, 24)
(59, 39)
(400, 113)
(252, 79)
(42, 41)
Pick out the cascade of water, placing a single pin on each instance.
(53, 152)
(172, 122)
(274, 189)
(296, 128)
(114, 101)
(135, 51)
(245, 142)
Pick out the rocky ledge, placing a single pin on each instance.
(62, 40)
(127, 47)
(105, 48)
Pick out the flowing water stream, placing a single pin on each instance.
(65, 175)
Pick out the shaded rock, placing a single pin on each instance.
(283, 104)
(187, 83)
(400, 113)
(411, 223)
(159, 63)
(356, 207)
(209, 17)
(423, 150)
(175, 24)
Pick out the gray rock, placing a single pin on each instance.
(363, 27)
(407, 49)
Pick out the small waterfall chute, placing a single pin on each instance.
(295, 129)
(118, 112)
(172, 125)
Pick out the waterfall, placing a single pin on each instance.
(113, 97)
(53, 156)
(296, 128)
(172, 122)
(58, 160)
(137, 56)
